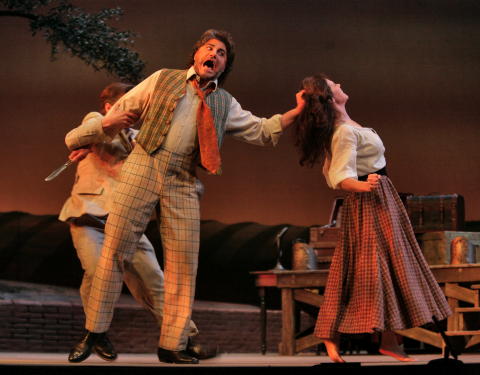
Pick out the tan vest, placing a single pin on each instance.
(170, 87)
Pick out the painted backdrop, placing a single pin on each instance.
(411, 68)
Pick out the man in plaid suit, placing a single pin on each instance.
(161, 172)
(86, 210)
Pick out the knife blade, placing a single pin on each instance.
(59, 170)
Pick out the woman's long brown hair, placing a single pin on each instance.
(315, 125)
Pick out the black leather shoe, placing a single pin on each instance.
(83, 349)
(104, 348)
(179, 357)
(200, 351)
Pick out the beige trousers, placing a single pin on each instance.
(168, 179)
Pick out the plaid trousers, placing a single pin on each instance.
(168, 179)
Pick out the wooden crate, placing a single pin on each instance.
(323, 238)
(436, 246)
(323, 241)
(436, 212)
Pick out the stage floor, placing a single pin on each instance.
(251, 360)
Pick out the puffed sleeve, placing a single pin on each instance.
(343, 163)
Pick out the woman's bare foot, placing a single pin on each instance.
(401, 355)
(332, 350)
(389, 346)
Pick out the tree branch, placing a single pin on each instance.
(85, 35)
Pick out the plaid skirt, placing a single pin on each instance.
(378, 279)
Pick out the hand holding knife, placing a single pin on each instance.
(74, 156)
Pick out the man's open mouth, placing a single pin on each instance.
(209, 64)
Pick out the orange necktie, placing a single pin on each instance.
(207, 135)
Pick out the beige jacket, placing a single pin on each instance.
(97, 174)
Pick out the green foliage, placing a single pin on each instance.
(84, 35)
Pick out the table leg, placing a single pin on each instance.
(263, 320)
(287, 346)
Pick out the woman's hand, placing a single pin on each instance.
(352, 184)
(373, 180)
(371, 183)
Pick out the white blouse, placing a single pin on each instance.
(356, 152)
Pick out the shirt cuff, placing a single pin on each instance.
(274, 124)
(274, 127)
(104, 137)
(94, 132)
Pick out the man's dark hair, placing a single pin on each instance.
(226, 39)
(112, 93)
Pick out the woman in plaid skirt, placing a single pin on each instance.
(379, 280)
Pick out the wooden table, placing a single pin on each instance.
(301, 286)
(294, 286)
